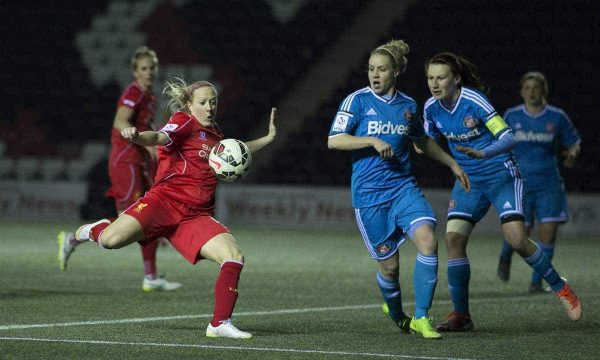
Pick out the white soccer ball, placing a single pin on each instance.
(230, 160)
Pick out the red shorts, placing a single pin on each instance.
(187, 231)
(128, 183)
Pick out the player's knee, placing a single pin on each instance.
(111, 241)
(390, 271)
(454, 240)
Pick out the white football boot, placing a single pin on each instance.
(226, 330)
(66, 246)
(159, 284)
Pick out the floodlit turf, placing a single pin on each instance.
(303, 294)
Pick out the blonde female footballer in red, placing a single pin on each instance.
(181, 203)
(131, 167)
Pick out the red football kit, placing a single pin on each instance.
(130, 167)
(181, 203)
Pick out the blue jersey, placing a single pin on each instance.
(395, 121)
(537, 137)
(472, 122)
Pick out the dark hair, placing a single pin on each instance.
(459, 66)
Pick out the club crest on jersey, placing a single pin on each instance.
(202, 135)
(138, 209)
(383, 249)
(550, 127)
(470, 122)
(452, 204)
(408, 115)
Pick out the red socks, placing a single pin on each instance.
(226, 291)
(149, 257)
(97, 230)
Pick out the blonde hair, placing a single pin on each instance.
(535, 75)
(396, 50)
(141, 52)
(181, 93)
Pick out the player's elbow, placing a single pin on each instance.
(332, 143)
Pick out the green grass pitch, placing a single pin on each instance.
(303, 295)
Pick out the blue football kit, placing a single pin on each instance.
(538, 136)
(385, 195)
(387, 201)
(473, 122)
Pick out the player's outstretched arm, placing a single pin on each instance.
(257, 144)
(144, 138)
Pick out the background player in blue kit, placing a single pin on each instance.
(539, 129)
(480, 141)
(378, 123)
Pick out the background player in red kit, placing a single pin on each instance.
(180, 205)
(131, 167)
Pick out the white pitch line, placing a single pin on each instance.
(241, 348)
(246, 313)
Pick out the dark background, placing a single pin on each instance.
(50, 107)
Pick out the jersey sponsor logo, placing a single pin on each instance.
(204, 154)
(533, 136)
(380, 128)
(383, 249)
(507, 205)
(463, 137)
(341, 122)
(206, 147)
(170, 127)
(470, 122)
(138, 209)
(371, 112)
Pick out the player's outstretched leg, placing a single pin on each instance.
(66, 247)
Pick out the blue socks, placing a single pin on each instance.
(506, 253)
(390, 290)
(424, 280)
(459, 275)
(542, 265)
(548, 249)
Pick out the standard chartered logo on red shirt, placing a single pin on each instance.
(381, 128)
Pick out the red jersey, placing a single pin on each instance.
(144, 106)
(183, 171)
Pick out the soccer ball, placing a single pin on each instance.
(230, 160)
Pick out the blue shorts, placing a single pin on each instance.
(383, 226)
(546, 205)
(503, 190)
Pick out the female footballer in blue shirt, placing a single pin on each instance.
(480, 141)
(540, 129)
(379, 125)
